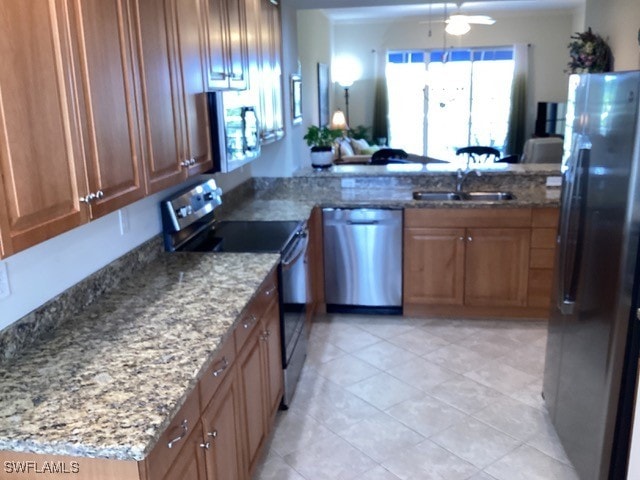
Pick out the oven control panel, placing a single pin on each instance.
(189, 206)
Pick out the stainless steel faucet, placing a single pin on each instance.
(461, 176)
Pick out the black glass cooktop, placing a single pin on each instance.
(244, 236)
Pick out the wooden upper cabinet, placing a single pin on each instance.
(497, 266)
(41, 160)
(270, 59)
(191, 38)
(109, 120)
(227, 56)
(160, 90)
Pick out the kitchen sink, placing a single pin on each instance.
(489, 196)
(463, 196)
(437, 196)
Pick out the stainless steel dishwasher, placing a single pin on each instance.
(363, 258)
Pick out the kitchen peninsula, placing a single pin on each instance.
(110, 380)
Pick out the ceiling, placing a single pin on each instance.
(362, 10)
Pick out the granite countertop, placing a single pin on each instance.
(419, 169)
(107, 383)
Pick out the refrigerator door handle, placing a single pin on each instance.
(573, 232)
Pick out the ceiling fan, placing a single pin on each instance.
(459, 24)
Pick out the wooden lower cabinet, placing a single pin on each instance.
(434, 266)
(190, 463)
(497, 267)
(273, 359)
(254, 394)
(222, 432)
(478, 262)
(226, 420)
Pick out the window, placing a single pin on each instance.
(443, 100)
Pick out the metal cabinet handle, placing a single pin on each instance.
(225, 364)
(184, 163)
(99, 194)
(205, 445)
(461, 239)
(265, 335)
(88, 198)
(470, 239)
(213, 434)
(192, 161)
(250, 322)
(185, 429)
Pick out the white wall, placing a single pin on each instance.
(548, 33)
(39, 273)
(617, 21)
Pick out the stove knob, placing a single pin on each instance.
(182, 212)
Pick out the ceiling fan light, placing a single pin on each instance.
(457, 27)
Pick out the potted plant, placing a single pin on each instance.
(321, 139)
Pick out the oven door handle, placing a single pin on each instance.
(297, 251)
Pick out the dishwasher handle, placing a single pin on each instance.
(363, 222)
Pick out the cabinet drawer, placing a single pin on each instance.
(540, 284)
(254, 311)
(542, 258)
(543, 238)
(173, 438)
(467, 217)
(545, 217)
(217, 370)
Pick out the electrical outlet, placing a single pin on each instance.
(554, 181)
(123, 217)
(5, 290)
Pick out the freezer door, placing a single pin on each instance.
(592, 304)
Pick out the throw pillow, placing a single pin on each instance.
(345, 148)
(359, 145)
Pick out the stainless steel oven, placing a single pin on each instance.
(189, 226)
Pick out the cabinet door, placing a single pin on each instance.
(497, 266)
(112, 140)
(237, 44)
(216, 45)
(271, 72)
(254, 396)
(190, 462)
(42, 173)
(434, 266)
(273, 358)
(222, 427)
(160, 94)
(191, 41)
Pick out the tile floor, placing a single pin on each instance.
(387, 398)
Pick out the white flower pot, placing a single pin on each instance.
(321, 158)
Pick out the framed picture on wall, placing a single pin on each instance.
(323, 94)
(296, 99)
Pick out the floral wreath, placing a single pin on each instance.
(589, 53)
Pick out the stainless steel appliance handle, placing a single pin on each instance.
(362, 222)
(298, 250)
(572, 233)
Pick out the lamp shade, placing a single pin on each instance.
(338, 120)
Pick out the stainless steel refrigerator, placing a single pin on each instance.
(592, 348)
